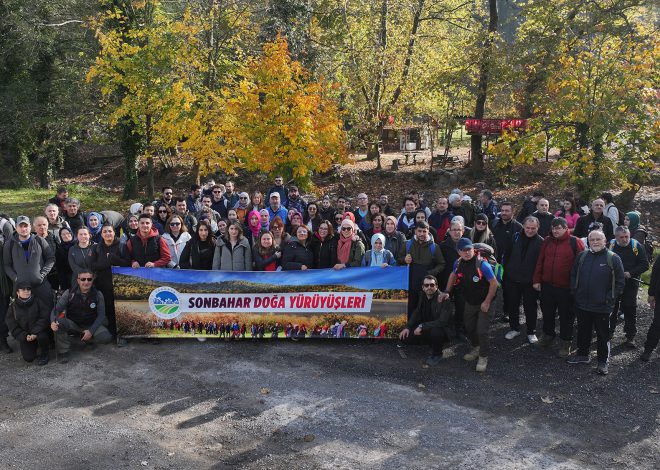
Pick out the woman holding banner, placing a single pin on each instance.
(265, 253)
(198, 252)
(324, 246)
(350, 248)
(298, 253)
(234, 253)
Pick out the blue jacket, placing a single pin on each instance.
(281, 213)
(594, 287)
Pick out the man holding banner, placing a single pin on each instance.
(430, 322)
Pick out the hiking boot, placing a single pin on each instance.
(482, 363)
(577, 359)
(545, 341)
(602, 368)
(63, 358)
(629, 344)
(503, 319)
(433, 360)
(461, 338)
(512, 334)
(42, 360)
(532, 339)
(621, 317)
(646, 355)
(472, 355)
(564, 349)
(4, 346)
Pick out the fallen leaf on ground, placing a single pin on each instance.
(421, 385)
(264, 391)
(547, 400)
(308, 437)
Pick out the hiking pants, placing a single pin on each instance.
(653, 336)
(436, 337)
(63, 340)
(476, 327)
(514, 292)
(587, 322)
(626, 303)
(29, 348)
(555, 299)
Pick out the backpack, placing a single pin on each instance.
(486, 253)
(409, 245)
(648, 248)
(610, 264)
(5, 219)
(622, 216)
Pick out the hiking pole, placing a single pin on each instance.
(640, 281)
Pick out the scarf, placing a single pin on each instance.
(254, 229)
(94, 231)
(240, 204)
(266, 225)
(634, 221)
(344, 248)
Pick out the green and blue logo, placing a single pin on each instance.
(164, 302)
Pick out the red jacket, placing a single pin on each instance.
(556, 260)
(164, 255)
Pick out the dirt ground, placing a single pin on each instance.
(314, 404)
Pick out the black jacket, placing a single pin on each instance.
(103, 258)
(520, 263)
(197, 255)
(583, 223)
(325, 252)
(635, 264)
(296, 255)
(545, 221)
(592, 284)
(27, 318)
(503, 233)
(431, 314)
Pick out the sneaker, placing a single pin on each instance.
(564, 349)
(433, 360)
(63, 358)
(121, 343)
(621, 317)
(532, 339)
(472, 355)
(629, 344)
(546, 341)
(646, 356)
(577, 359)
(482, 363)
(512, 334)
(43, 360)
(602, 368)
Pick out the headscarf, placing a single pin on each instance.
(135, 208)
(633, 216)
(69, 244)
(94, 231)
(265, 226)
(377, 256)
(127, 226)
(254, 229)
(349, 215)
(388, 219)
(242, 205)
(345, 243)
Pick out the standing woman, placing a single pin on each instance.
(265, 254)
(324, 246)
(264, 219)
(570, 212)
(350, 248)
(164, 213)
(312, 217)
(295, 221)
(80, 254)
(198, 252)
(637, 231)
(253, 227)
(62, 258)
(482, 234)
(378, 255)
(234, 253)
(94, 224)
(243, 207)
(130, 228)
(280, 237)
(177, 236)
(298, 253)
(395, 241)
(257, 201)
(377, 226)
(366, 222)
(106, 254)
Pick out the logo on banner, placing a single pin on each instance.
(165, 302)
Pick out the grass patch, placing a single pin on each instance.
(32, 201)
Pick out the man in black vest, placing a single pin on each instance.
(80, 310)
(146, 247)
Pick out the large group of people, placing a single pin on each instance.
(468, 260)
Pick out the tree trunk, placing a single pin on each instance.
(131, 147)
(150, 159)
(624, 201)
(476, 151)
(196, 172)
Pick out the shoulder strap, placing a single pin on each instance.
(573, 241)
(612, 244)
(408, 246)
(580, 262)
(635, 246)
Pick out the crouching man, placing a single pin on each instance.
(430, 322)
(27, 320)
(80, 310)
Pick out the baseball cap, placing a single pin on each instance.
(22, 219)
(464, 244)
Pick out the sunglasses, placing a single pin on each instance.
(174, 224)
(480, 222)
(429, 285)
(346, 229)
(162, 212)
(242, 198)
(167, 194)
(86, 279)
(217, 192)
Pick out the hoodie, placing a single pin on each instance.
(150, 248)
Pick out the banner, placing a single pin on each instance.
(354, 302)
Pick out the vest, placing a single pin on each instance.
(473, 292)
(143, 254)
(82, 310)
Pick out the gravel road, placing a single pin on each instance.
(284, 405)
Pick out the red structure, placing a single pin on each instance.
(493, 126)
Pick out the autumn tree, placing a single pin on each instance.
(274, 119)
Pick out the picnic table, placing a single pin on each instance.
(446, 159)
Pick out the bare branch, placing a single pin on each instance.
(57, 25)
